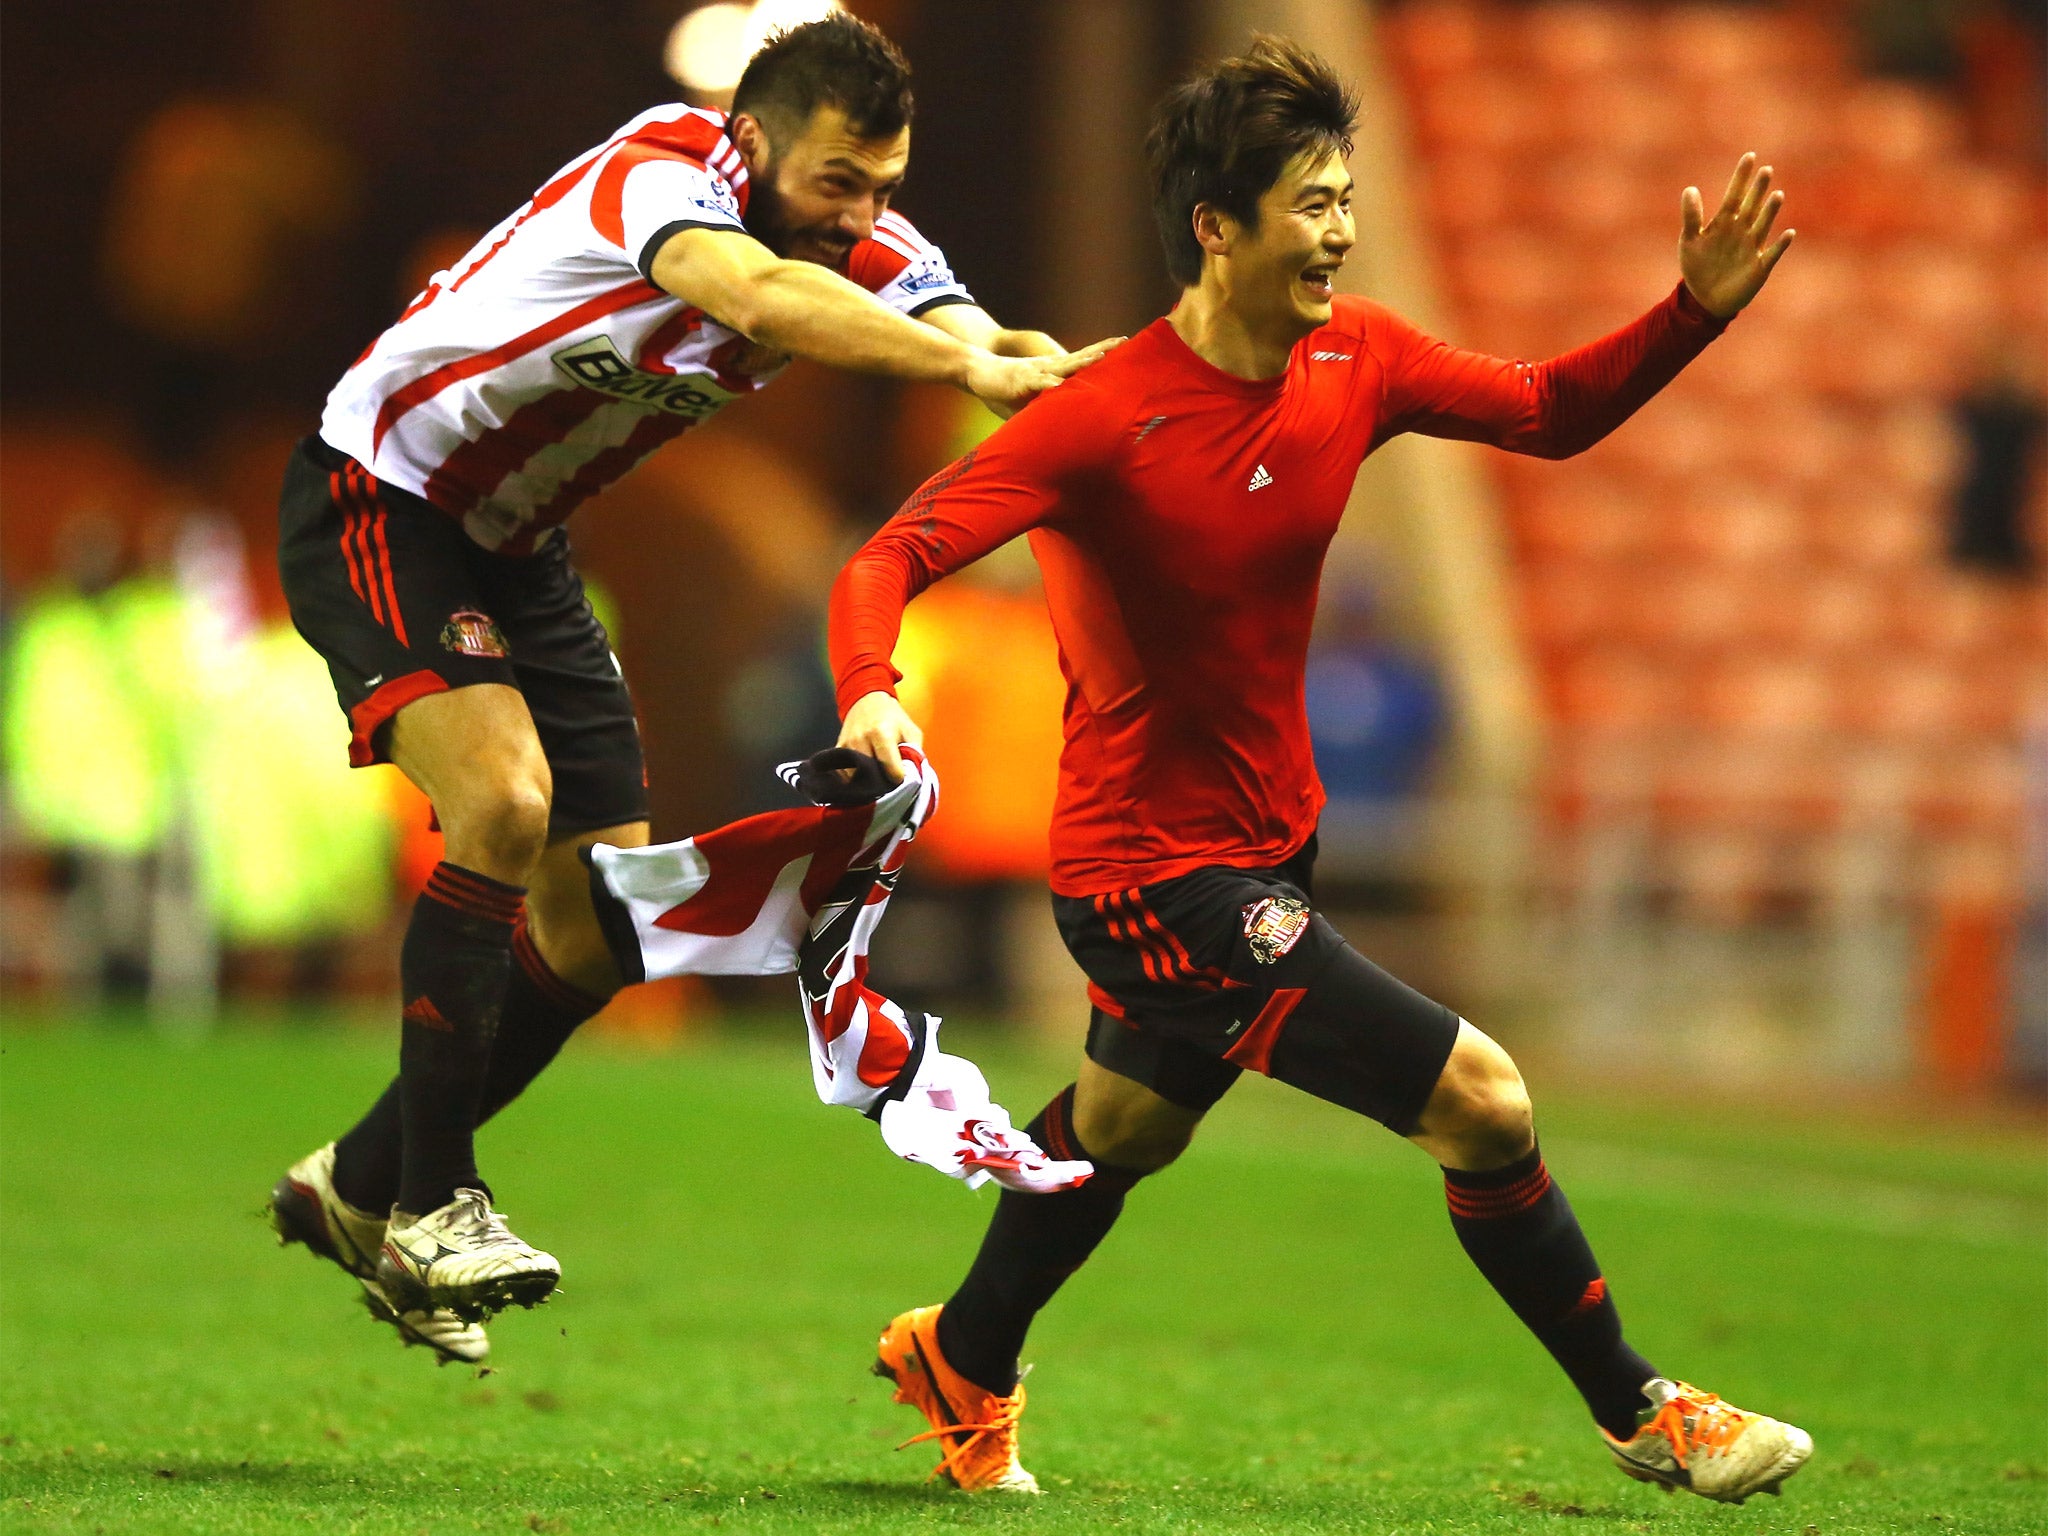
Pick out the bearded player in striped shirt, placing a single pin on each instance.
(674, 268)
(1180, 497)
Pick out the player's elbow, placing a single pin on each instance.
(757, 304)
(1555, 443)
(742, 296)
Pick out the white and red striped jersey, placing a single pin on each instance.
(545, 364)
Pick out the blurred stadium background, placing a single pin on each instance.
(1720, 752)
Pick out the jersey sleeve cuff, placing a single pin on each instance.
(1692, 309)
(674, 227)
(938, 301)
(869, 677)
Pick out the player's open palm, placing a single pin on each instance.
(1006, 384)
(1725, 259)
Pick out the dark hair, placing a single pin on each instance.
(1224, 136)
(838, 61)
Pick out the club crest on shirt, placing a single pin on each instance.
(1274, 926)
(469, 633)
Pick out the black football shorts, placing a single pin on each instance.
(1197, 978)
(401, 603)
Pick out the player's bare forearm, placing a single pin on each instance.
(978, 328)
(806, 310)
(1025, 344)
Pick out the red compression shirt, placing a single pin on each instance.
(1181, 515)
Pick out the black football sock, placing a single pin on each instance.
(1034, 1242)
(368, 1157)
(1517, 1226)
(452, 972)
(539, 1014)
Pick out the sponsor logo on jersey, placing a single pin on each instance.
(1148, 429)
(596, 364)
(469, 633)
(1274, 926)
(1260, 479)
(1329, 357)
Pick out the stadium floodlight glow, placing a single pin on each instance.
(709, 46)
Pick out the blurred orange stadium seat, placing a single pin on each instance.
(1771, 697)
(1979, 789)
(1573, 38)
(1839, 614)
(1952, 614)
(1900, 126)
(1904, 698)
(1569, 605)
(1468, 194)
(1867, 524)
(1587, 518)
(1623, 116)
(1617, 692)
(1730, 524)
(1435, 38)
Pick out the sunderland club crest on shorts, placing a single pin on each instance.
(1274, 926)
(469, 633)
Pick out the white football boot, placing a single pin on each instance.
(464, 1258)
(1691, 1439)
(305, 1209)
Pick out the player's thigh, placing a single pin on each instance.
(1352, 1034)
(474, 753)
(561, 917)
(383, 586)
(582, 710)
(1125, 1123)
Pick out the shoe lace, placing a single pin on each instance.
(1694, 1420)
(478, 1220)
(954, 1454)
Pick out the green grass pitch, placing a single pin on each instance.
(1281, 1336)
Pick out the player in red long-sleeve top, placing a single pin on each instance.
(1180, 496)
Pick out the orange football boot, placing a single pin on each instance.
(1693, 1440)
(976, 1430)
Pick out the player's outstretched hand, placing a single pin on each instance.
(1725, 259)
(1006, 384)
(875, 725)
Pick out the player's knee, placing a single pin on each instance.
(1482, 1103)
(502, 826)
(1126, 1139)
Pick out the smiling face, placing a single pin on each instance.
(818, 195)
(1280, 273)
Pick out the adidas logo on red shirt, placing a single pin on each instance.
(1260, 479)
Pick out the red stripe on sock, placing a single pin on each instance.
(570, 999)
(469, 892)
(1491, 1204)
(1056, 1129)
